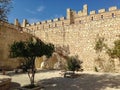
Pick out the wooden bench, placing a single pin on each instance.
(67, 73)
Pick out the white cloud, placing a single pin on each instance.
(40, 8)
(30, 11)
(33, 20)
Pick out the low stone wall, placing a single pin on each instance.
(5, 82)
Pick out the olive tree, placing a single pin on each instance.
(29, 50)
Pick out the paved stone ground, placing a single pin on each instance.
(52, 80)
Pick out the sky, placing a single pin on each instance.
(40, 10)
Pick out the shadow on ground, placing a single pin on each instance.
(14, 86)
(83, 82)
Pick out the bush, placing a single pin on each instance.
(73, 64)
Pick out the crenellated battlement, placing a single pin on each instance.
(92, 12)
(54, 21)
(83, 16)
(101, 10)
(73, 17)
(49, 21)
(113, 8)
(11, 26)
(79, 31)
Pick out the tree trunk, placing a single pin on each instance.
(32, 72)
(33, 78)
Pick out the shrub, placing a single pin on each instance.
(73, 64)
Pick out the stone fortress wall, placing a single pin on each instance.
(79, 31)
(8, 34)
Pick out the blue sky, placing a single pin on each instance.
(39, 10)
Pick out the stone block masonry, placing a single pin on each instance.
(8, 34)
(79, 31)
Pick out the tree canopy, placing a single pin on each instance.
(29, 50)
(99, 44)
(115, 51)
(74, 64)
(5, 6)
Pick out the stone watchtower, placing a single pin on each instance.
(16, 22)
(24, 23)
(71, 14)
(85, 10)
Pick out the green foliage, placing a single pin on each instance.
(96, 69)
(17, 48)
(73, 64)
(29, 50)
(99, 44)
(115, 51)
(5, 6)
(107, 66)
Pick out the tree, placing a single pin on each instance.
(115, 51)
(29, 50)
(73, 64)
(107, 65)
(99, 44)
(5, 6)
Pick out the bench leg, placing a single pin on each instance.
(64, 75)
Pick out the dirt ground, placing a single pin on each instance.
(52, 80)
